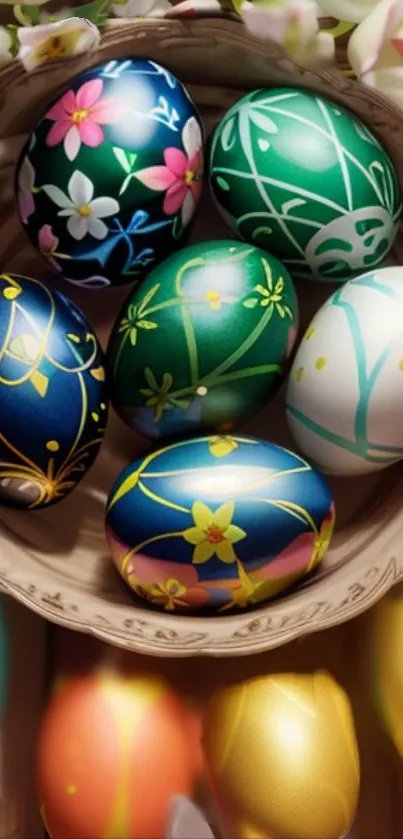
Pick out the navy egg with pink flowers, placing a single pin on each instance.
(109, 179)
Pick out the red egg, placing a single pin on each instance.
(112, 752)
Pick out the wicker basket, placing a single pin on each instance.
(56, 561)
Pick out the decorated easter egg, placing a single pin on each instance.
(105, 754)
(52, 394)
(110, 177)
(344, 395)
(293, 769)
(203, 341)
(306, 180)
(217, 522)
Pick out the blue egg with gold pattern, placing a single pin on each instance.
(52, 394)
(110, 177)
(217, 523)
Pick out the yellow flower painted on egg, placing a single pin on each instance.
(221, 446)
(213, 533)
(166, 594)
(245, 593)
(322, 540)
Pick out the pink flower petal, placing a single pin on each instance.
(58, 132)
(176, 161)
(47, 241)
(195, 188)
(174, 198)
(91, 134)
(159, 178)
(108, 111)
(196, 163)
(65, 105)
(27, 205)
(89, 94)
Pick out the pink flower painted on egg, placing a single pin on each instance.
(48, 244)
(180, 178)
(78, 118)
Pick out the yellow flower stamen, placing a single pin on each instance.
(84, 210)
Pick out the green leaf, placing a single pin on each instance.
(146, 324)
(222, 183)
(250, 304)
(150, 379)
(96, 11)
(133, 337)
(125, 183)
(148, 297)
(27, 13)
(177, 228)
(121, 157)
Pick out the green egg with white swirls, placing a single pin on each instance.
(299, 176)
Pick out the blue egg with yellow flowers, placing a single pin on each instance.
(52, 394)
(217, 523)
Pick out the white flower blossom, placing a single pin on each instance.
(84, 212)
(56, 40)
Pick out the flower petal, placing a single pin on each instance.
(103, 207)
(27, 175)
(225, 551)
(97, 228)
(196, 163)
(234, 534)
(57, 196)
(88, 94)
(46, 239)
(192, 137)
(175, 198)
(90, 132)
(77, 227)
(223, 516)
(109, 110)
(203, 552)
(188, 208)
(167, 381)
(80, 189)
(72, 142)
(65, 105)
(58, 132)
(158, 178)
(202, 516)
(176, 162)
(194, 535)
(27, 205)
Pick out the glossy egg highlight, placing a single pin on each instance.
(344, 395)
(112, 751)
(110, 178)
(293, 769)
(217, 523)
(52, 394)
(203, 342)
(302, 177)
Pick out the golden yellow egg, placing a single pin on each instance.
(283, 757)
(388, 661)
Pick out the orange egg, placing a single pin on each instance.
(112, 752)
